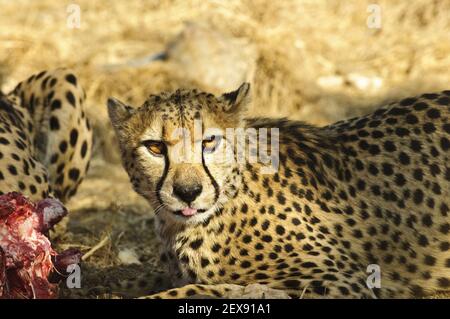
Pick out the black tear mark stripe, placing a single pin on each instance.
(213, 181)
(163, 177)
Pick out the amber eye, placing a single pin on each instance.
(211, 143)
(155, 147)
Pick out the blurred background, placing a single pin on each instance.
(312, 60)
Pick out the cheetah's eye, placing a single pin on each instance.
(157, 148)
(211, 143)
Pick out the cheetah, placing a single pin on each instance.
(368, 192)
(45, 136)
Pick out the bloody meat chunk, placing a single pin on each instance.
(27, 258)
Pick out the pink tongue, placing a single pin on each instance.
(189, 211)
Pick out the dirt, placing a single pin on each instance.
(107, 209)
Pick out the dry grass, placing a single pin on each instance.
(314, 60)
(310, 55)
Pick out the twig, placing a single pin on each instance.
(95, 248)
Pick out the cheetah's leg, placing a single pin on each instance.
(254, 291)
(146, 284)
(58, 125)
(332, 286)
(335, 286)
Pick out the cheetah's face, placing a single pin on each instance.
(177, 153)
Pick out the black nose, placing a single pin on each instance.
(187, 193)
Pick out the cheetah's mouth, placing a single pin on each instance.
(189, 212)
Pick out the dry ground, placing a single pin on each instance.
(308, 59)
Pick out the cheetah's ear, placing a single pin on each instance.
(238, 100)
(118, 112)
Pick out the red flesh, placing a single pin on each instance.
(25, 252)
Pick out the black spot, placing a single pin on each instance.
(12, 169)
(84, 149)
(377, 134)
(363, 145)
(444, 246)
(396, 111)
(446, 127)
(444, 282)
(415, 145)
(63, 146)
(430, 96)
(33, 189)
(281, 199)
(344, 291)
(443, 100)
(71, 79)
(261, 276)
(418, 174)
(374, 149)
(375, 123)
(387, 169)
(73, 137)
(391, 121)
(56, 104)
(389, 146)
(445, 228)
(404, 158)
(54, 123)
(70, 98)
(401, 131)
(418, 196)
(308, 264)
(423, 241)
(191, 292)
(196, 244)
(411, 119)
(329, 277)
(265, 225)
(430, 260)
(280, 230)
(204, 262)
(434, 113)
(445, 144)
(408, 101)
(291, 283)
(429, 128)
(74, 173)
(373, 169)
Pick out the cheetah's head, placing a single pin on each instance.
(177, 152)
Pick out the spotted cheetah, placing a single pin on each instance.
(45, 137)
(368, 192)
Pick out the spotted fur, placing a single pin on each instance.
(45, 137)
(369, 190)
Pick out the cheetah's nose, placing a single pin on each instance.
(187, 193)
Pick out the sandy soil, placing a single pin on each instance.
(108, 214)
